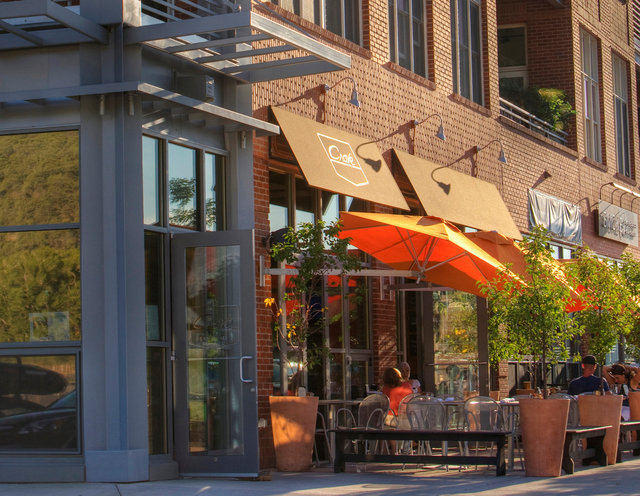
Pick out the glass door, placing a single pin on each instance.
(213, 294)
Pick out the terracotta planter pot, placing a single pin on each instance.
(543, 424)
(603, 410)
(293, 421)
(634, 405)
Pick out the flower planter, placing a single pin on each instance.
(603, 410)
(543, 424)
(293, 422)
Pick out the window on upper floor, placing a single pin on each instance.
(341, 17)
(407, 35)
(621, 115)
(512, 58)
(466, 48)
(591, 96)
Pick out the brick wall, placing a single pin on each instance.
(392, 97)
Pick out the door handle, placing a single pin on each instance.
(242, 359)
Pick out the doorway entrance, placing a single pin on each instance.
(444, 338)
(214, 339)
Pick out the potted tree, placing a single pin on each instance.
(314, 251)
(607, 318)
(528, 319)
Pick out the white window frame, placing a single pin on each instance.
(413, 38)
(591, 96)
(457, 56)
(621, 114)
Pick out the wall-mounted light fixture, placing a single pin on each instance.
(501, 158)
(622, 188)
(440, 133)
(354, 93)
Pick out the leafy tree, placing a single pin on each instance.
(527, 320)
(630, 273)
(607, 316)
(314, 250)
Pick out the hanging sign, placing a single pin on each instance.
(617, 223)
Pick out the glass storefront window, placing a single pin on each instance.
(213, 347)
(278, 201)
(157, 400)
(336, 376)
(38, 403)
(39, 178)
(358, 328)
(151, 180)
(194, 194)
(359, 378)
(214, 198)
(183, 200)
(40, 286)
(305, 204)
(455, 332)
(336, 327)
(154, 285)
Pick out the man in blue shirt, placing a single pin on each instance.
(588, 383)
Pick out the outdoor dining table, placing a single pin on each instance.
(451, 435)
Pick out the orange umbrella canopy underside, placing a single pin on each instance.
(426, 245)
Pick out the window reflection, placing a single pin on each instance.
(40, 286)
(156, 400)
(38, 403)
(154, 285)
(456, 342)
(214, 199)
(358, 332)
(151, 179)
(305, 203)
(39, 181)
(182, 187)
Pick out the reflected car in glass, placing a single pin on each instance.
(50, 428)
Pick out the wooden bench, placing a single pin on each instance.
(629, 426)
(593, 450)
(451, 436)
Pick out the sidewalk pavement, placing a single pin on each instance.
(378, 480)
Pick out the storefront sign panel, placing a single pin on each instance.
(617, 223)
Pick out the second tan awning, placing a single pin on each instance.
(338, 161)
(457, 197)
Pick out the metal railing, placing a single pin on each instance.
(177, 10)
(530, 121)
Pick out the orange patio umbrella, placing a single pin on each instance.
(509, 253)
(427, 245)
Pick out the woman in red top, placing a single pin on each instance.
(394, 388)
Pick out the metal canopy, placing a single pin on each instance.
(39, 23)
(207, 112)
(244, 45)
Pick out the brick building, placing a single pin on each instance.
(465, 62)
(150, 151)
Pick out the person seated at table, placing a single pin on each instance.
(588, 382)
(405, 370)
(395, 390)
(621, 374)
(622, 378)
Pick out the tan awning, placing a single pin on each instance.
(457, 197)
(337, 161)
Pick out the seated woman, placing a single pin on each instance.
(395, 389)
(405, 370)
(622, 378)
